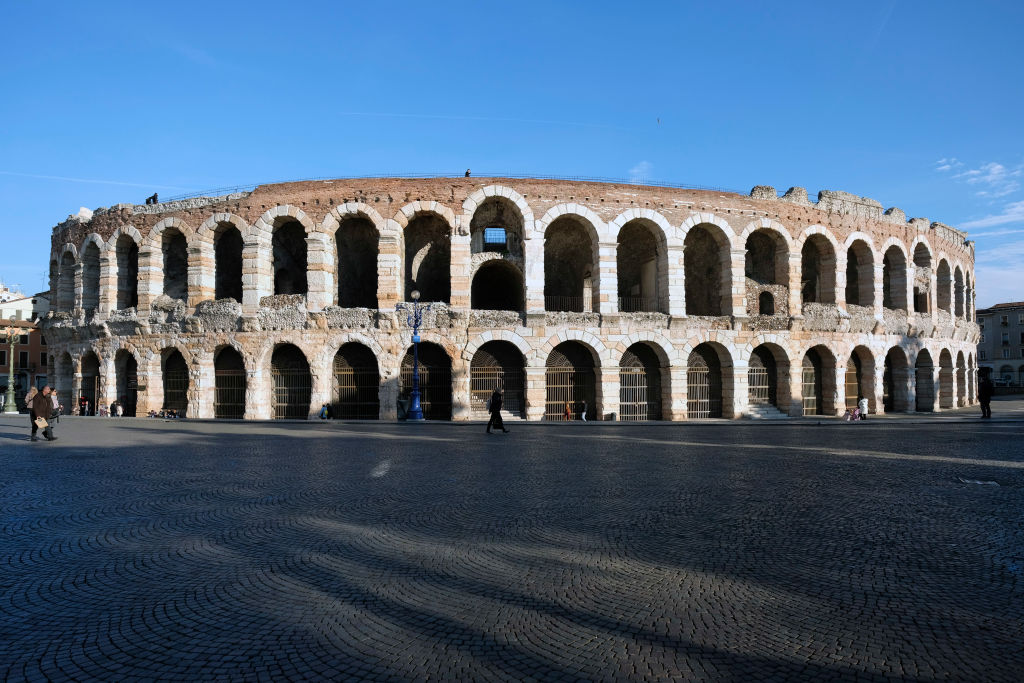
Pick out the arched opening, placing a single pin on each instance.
(767, 371)
(126, 371)
(497, 226)
(90, 277)
(961, 379)
(924, 379)
(860, 275)
(498, 365)
(922, 278)
(497, 286)
(90, 381)
(175, 264)
(227, 250)
(765, 304)
(290, 257)
(767, 258)
(570, 383)
(946, 380)
(356, 388)
(818, 382)
(958, 292)
(65, 379)
(357, 243)
(435, 380)
(428, 258)
(640, 390)
(175, 379)
(707, 280)
(127, 272)
(944, 282)
(817, 271)
(859, 379)
(637, 261)
(230, 383)
(895, 381)
(894, 279)
(569, 266)
(66, 292)
(292, 383)
(704, 383)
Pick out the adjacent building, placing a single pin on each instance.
(1001, 344)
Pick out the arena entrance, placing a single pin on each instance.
(497, 364)
(126, 371)
(860, 370)
(894, 381)
(703, 384)
(924, 376)
(569, 380)
(945, 379)
(292, 383)
(818, 382)
(175, 377)
(229, 384)
(355, 393)
(90, 380)
(227, 254)
(640, 384)
(435, 381)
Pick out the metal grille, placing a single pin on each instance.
(924, 401)
(229, 394)
(571, 304)
(131, 396)
(292, 390)
(435, 390)
(634, 304)
(484, 380)
(176, 391)
(852, 383)
(701, 402)
(759, 388)
(356, 393)
(90, 389)
(633, 402)
(810, 390)
(946, 387)
(569, 385)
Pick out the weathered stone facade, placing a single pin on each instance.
(642, 302)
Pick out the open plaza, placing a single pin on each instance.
(801, 549)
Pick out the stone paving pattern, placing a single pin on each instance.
(145, 549)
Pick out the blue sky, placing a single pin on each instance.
(916, 104)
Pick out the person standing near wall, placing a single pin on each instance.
(985, 391)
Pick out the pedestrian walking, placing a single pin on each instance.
(583, 412)
(862, 406)
(568, 412)
(40, 408)
(494, 405)
(985, 391)
(55, 413)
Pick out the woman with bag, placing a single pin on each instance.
(40, 409)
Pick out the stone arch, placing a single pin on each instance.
(436, 370)
(961, 379)
(820, 257)
(641, 382)
(126, 379)
(427, 229)
(175, 378)
(896, 395)
(570, 382)
(769, 225)
(768, 371)
(641, 260)
(958, 291)
(356, 237)
(707, 268)
(489, 212)
(706, 218)
(860, 273)
(859, 380)
(168, 259)
(818, 377)
(263, 228)
(498, 363)
(356, 379)
(596, 227)
(597, 348)
(153, 239)
(473, 201)
(944, 283)
(91, 254)
(709, 381)
(894, 275)
(291, 382)
(66, 267)
(946, 375)
(572, 274)
(921, 252)
(497, 285)
(924, 384)
(410, 211)
(662, 229)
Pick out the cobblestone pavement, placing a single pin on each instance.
(144, 549)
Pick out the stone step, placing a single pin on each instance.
(764, 411)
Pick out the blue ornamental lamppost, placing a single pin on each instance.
(414, 318)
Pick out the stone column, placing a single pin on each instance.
(534, 263)
(879, 291)
(107, 393)
(194, 394)
(738, 277)
(79, 284)
(387, 394)
(460, 267)
(257, 394)
(676, 408)
(319, 272)
(795, 298)
(607, 280)
(202, 272)
(461, 404)
(150, 277)
(108, 283)
(322, 389)
(203, 387)
(676, 283)
(390, 277)
(607, 394)
(796, 378)
(740, 390)
(76, 387)
(839, 289)
(536, 393)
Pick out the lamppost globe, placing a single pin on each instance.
(415, 294)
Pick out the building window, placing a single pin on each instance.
(23, 339)
(42, 359)
(1006, 353)
(1022, 337)
(42, 340)
(982, 340)
(3, 358)
(1020, 319)
(494, 239)
(981, 323)
(982, 355)
(1004, 320)
(23, 359)
(1006, 338)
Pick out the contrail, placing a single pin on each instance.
(457, 117)
(91, 180)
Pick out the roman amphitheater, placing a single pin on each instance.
(628, 302)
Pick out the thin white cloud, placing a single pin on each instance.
(996, 179)
(94, 181)
(1012, 213)
(641, 172)
(998, 271)
(948, 164)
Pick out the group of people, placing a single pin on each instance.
(166, 413)
(43, 407)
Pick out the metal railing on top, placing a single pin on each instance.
(216, 192)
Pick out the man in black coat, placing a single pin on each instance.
(495, 408)
(985, 391)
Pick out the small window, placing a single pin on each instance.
(1020, 319)
(982, 340)
(42, 340)
(1006, 353)
(42, 359)
(23, 339)
(766, 303)
(494, 239)
(1006, 338)
(982, 355)
(3, 357)
(1004, 320)
(23, 359)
